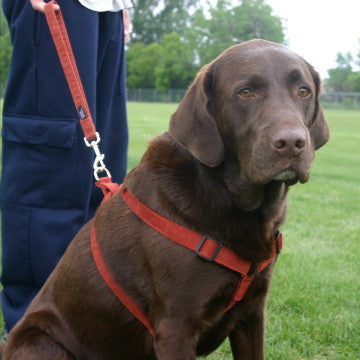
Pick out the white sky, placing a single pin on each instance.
(319, 29)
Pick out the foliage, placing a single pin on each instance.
(3, 22)
(141, 64)
(151, 19)
(186, 45)
(353, 81)
(5, 49)
(228, 25)
(343, 77)
(5, 56)
(162, 65)
(175, 69)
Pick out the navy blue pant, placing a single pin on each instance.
(47, 188)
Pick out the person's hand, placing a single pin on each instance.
(127, 25)
(39, 5)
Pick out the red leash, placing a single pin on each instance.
(92, 138)
(64, 50)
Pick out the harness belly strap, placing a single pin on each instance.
(204, 246)
(114, 286)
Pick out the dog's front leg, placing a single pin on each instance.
(174, 340)
(247, 339)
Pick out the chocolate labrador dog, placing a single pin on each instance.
(245, 131)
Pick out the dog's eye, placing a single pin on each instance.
(303, 91)
(246, 93)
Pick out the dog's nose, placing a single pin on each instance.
(289, 142)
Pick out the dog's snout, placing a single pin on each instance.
(289, 142)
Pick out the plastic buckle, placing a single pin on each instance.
(278, 239)
(201, 244)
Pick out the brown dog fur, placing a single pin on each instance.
(213, 172)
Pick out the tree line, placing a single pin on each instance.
(344, 77)
(172, 40)
(5, 49)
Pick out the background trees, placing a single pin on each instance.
(151, 19)
(343, 77)
(5, 50)
(170, 42)
(225, 25)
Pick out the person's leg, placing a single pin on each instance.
(47, 170)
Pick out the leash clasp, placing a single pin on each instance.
(99, 165)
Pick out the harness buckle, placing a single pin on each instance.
(278, 241)
(214, 254)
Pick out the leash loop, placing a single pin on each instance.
(99, 165)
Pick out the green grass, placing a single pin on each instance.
(146, 120)
(313, 310)
(314, 305)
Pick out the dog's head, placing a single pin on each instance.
(257, 103)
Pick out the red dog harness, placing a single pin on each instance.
(204, 246)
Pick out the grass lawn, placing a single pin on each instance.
(313, 310)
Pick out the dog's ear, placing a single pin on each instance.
(319, 130)
(193, 124)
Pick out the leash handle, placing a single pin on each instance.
(61, 40)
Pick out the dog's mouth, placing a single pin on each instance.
(291, 176)
(286, 170)
(288, 176)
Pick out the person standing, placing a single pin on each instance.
(47, 187)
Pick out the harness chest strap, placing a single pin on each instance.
(205, 247)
